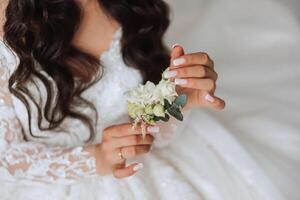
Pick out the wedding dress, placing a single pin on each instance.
(187, 162)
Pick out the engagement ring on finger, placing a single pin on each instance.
(120, 154)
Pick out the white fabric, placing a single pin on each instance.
(250, 151)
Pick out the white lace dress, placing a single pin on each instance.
(186, 163)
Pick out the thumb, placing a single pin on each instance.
(177, 51)
(123, 172)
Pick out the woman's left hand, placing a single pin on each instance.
(194, 75)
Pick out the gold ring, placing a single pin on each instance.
(120, 154)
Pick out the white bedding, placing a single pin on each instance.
(256, 47)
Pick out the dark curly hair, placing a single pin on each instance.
(40, 33)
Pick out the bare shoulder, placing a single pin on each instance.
(3, 4)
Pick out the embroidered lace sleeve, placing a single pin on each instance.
(30, 160)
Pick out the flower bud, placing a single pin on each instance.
(159, 110)
(131, 110)
(149, 110)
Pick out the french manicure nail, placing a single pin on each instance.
(180, 81)
(138, 167)
(175, 45)
(209, 98)
(153, 129)
(170, 74)
(178, 61)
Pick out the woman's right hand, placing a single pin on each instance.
(120, 140)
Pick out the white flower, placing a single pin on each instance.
(166, 89)
(134, 110)
(151, 94)
(142, 95)
(146, 103)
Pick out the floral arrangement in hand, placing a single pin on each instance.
(195, 79)
(150, 103)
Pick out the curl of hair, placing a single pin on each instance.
(40, 32)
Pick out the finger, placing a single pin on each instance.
(118, 165)
(214, 102)
(196, 83)
(132, 140)
(193, 59)
(114, 156)
(197, 71)
(177, 51)
(134, 151)
(127, 171)
(127, 129)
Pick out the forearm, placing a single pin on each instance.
(38, 162)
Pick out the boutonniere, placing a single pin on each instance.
(150, 103)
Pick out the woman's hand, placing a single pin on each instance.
(119, 143)
(194, 75)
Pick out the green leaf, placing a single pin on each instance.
(166, 118)
(167, 104)
(175, 112)
(155, 118)
(181, 100)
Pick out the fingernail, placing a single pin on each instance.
(209, 98)
(151, 147)
(180, 81)
(138, 167)
(153, 129)
(178, 61)
(170, 74)
(175, 45)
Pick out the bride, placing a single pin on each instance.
(64, 129)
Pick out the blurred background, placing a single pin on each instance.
(256, 48)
